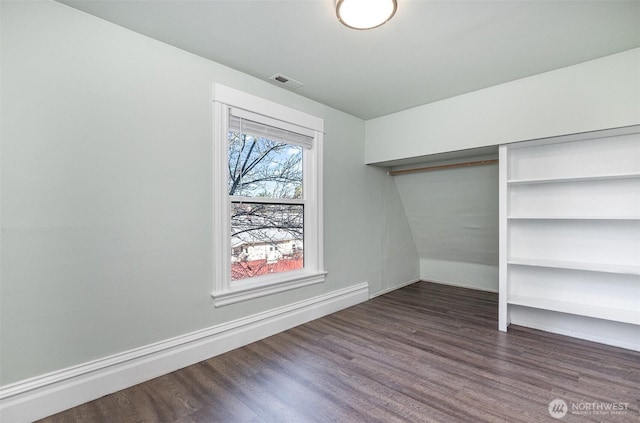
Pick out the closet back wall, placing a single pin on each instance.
(453, 215)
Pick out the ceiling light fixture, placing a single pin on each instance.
(365, 14)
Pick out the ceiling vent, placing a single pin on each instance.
(285, 81)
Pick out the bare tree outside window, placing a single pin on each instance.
(267, 236)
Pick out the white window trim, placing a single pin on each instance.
(224, 290)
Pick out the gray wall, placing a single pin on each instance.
(590, 96)
(453, 214)
(107, 193)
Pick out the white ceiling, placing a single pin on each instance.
(429, 51)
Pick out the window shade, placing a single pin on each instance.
(259, 126)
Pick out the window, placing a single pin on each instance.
(267, 197)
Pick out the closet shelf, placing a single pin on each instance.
(589, 310)
(532, 217)
(574, 178)
(574, 265)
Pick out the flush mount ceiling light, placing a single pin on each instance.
(365, 14)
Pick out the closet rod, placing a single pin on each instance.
(440, 167)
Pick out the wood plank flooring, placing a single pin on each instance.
(423, 353)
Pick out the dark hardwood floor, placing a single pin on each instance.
(423, 353)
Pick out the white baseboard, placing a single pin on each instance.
(482, 277)
(393, 288)
(48, 394)
(462, 285)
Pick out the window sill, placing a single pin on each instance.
(264, 288)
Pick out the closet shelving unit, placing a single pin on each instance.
(570, 231)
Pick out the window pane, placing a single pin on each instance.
(266, 238)
(259, 167)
